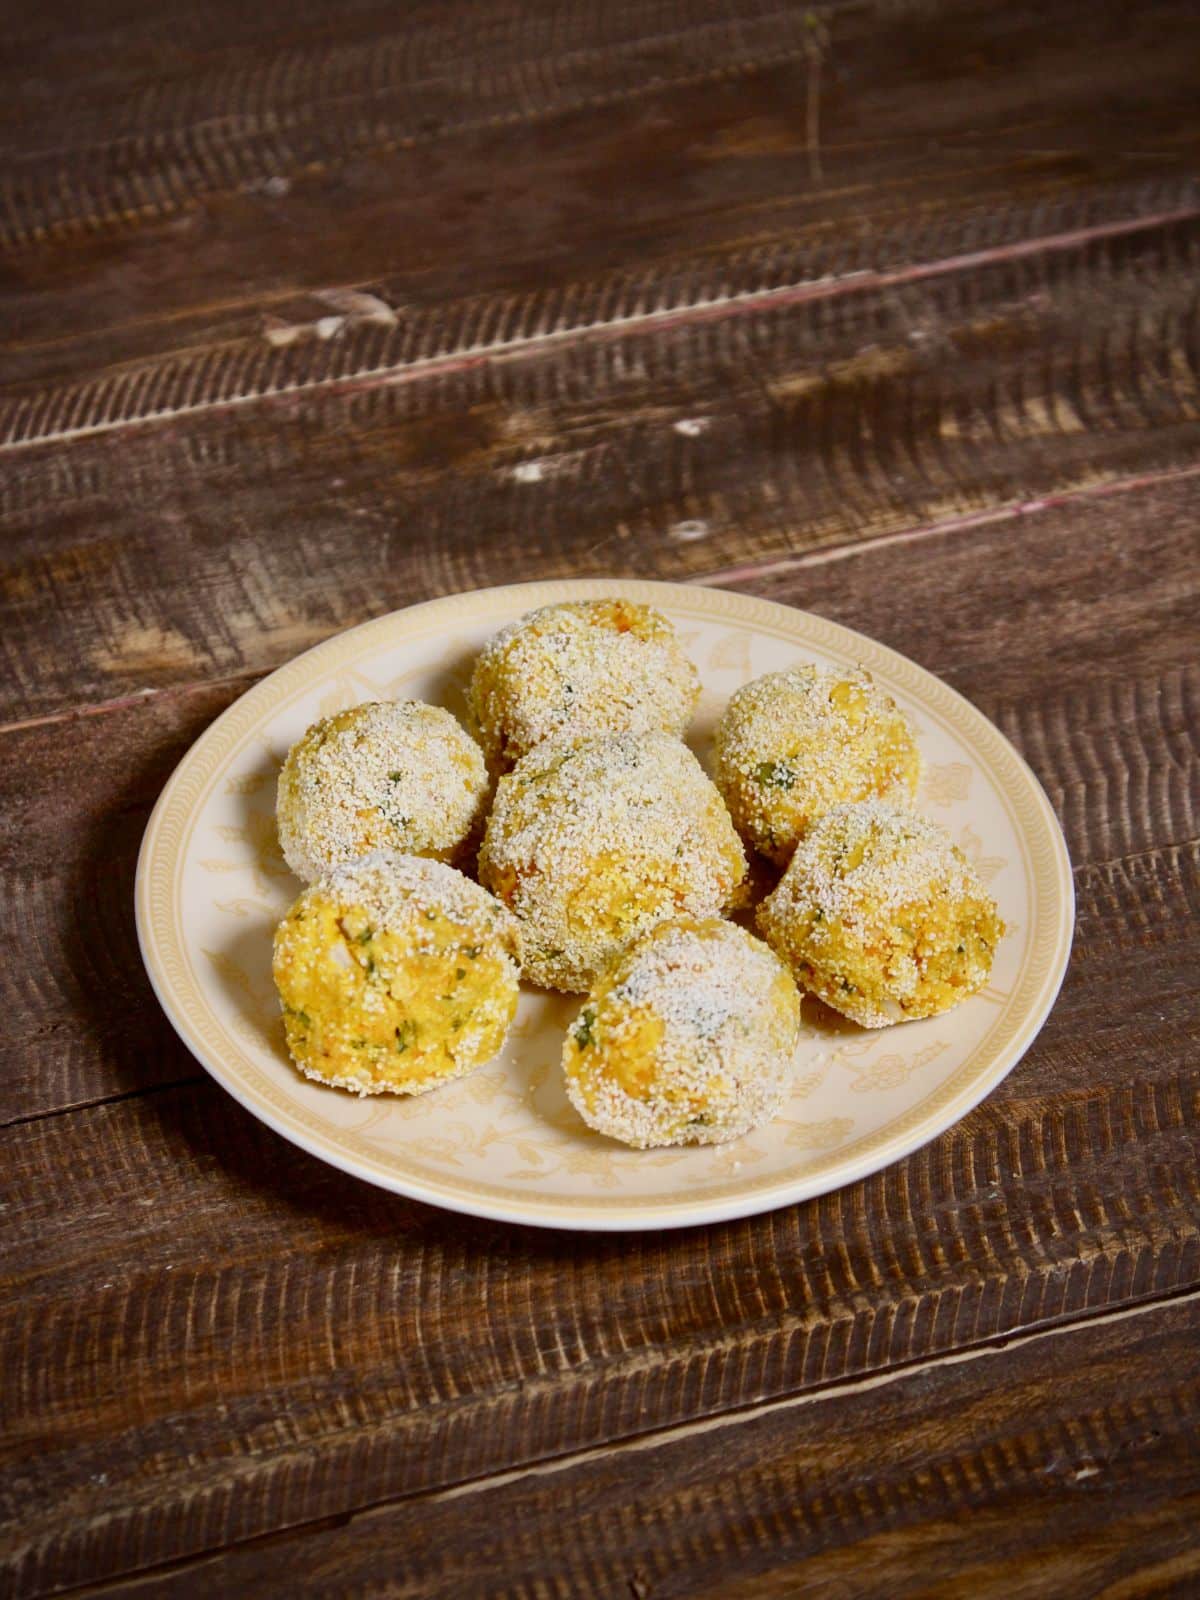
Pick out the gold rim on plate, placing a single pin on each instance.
(563, 1175)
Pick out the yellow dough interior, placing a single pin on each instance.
(402, 1007)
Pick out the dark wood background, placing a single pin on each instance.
(886, 308)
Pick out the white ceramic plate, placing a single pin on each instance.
(505, 1142)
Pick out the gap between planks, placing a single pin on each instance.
(652, 1439)
(772, 566)
(143, 1091)
(698, 312)
(139, 697)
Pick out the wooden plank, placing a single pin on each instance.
(481, 154)
(852, 286)
(220, 543)
(209, 1337)
(75, 795)
(1062, 1464)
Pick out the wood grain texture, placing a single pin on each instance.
(170, 553)
(75, 796)
(1062, 1464)
(301, 1347)
(987, 294)
(188, 191)
(369, 345)
(342, 1346)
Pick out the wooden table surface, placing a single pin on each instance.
(889, 309)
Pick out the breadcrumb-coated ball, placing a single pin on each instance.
(881, 916)
(396, 973)
(586, 668)
(591, 845)
(792, 744)
(393, 774)
(687, 1039)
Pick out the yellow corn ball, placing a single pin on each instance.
(393, 775)
(881, 916)
(792, 744)
(396, 973)
(584, 668)
(687, 1039)
(591, 845)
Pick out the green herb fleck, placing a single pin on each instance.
(395, 777)
(776, 773)
(460, 973)
(582, 1031)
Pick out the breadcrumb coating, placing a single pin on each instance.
(687, 1039)
(881, 916)
(396, 775)
(792, 744)
(584, 668)
(592, 844)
